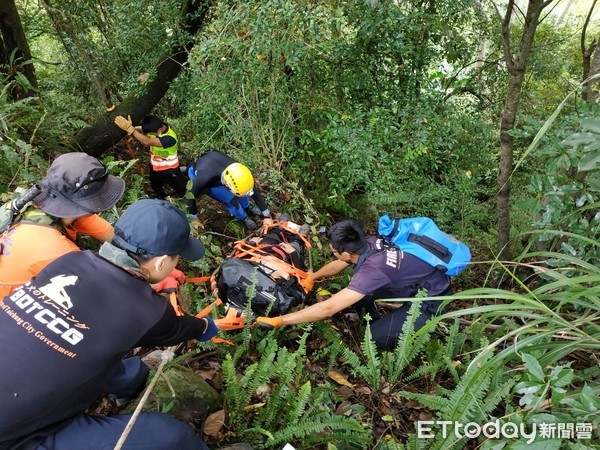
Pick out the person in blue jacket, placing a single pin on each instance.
(67, 330)
(228, 182)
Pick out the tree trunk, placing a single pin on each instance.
(13, 39)
(592, 85)
(591, 59)
(62, 23)
(103, 133)
(516, 65)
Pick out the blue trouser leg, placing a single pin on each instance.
(244, 202)
(129, 379)
(233, 205)
(387, 330)
(151, 431)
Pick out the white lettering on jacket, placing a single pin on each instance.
(46, 317)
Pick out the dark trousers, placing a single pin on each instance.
(152, 431)
(173, 177)
(388, 329)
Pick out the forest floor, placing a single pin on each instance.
(390, 417)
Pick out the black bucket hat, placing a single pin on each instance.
(78, 184)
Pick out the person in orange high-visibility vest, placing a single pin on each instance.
(164, 161)
(65, 204)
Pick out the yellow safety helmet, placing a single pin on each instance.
(238, 179)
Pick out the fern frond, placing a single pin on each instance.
(236, 395)
(299, 404)
(258, 430)
(373, 364)
(434, 402)
(403, 351)
(311, 429)
(357, 367)
(425, 369)
(263, 370)
(499, 393)
(414, 443)
(276, 407)
(465, 403)
(453, 342)
(361, 439)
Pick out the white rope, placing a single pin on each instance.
(166, 356)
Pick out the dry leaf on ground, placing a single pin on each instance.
(339, 378)
(214, 424)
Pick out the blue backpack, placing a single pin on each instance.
(422, 238)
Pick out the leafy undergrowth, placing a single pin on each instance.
(527, 354)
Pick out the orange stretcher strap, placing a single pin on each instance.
(197, 280)
(281, 225)
(231, 321)
(256, 254)
(218, 340)
(208, 309)
(175, 304)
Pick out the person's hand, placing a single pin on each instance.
(210, 329)
(268, 323)
(125, 124)
(267, 221)
(178, 275)
(171, 283)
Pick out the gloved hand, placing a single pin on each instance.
(308, 282)
(268, 323)
(125, 124)
(210, 329)
(171, 283)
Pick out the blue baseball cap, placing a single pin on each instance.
(151, 227)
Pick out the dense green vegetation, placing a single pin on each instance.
(359, 108)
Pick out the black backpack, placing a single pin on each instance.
(271, 297)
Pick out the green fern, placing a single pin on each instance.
(299, 405)
(262, 372)
(435, 402)
(414, 443)
(370, 368)
(389, 445)
(293, 410)
(430, 368)
(497, 394)
(465, 403)
(235, 395)
(320, 432)
(370, 354)
(405, 350)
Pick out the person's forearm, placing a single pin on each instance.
(343, 299)
(259, 200)
(140, 137)
(329, 270)
(311, 313)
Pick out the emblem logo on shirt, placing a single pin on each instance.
(55, 290)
